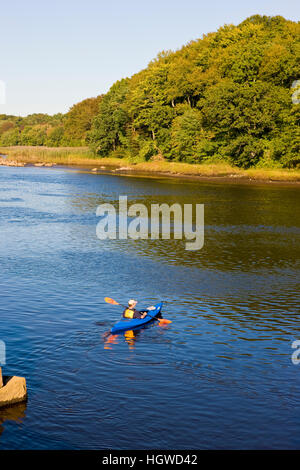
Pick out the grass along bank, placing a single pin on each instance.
(83, 157)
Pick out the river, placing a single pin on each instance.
(219, 376)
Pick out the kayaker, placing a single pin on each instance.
(131, 312)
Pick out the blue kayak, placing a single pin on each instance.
(125, 324)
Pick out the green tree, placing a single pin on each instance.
(109, 126)
(78, 121)
(10, 137)
(54, 136)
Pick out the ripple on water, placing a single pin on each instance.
(220, 376)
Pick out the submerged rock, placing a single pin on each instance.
(12, 390)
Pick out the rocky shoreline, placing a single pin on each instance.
(5, 162)
(135, 170)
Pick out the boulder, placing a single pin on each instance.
(13, 390)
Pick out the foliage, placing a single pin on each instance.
(57, 130)
(108, 126)
(226, 96)
(78, 121)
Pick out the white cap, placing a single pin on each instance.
(132, 301)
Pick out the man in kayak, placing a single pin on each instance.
(131, 312)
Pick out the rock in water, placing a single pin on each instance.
(1, 380)
(13, 390)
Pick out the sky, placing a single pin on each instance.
(57, 53)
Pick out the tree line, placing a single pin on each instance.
(68, 129)
(224, 97)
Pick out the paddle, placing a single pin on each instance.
(162, 321)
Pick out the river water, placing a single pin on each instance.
(220, 376)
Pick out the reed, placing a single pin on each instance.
(82, 156)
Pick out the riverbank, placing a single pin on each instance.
(83, 158)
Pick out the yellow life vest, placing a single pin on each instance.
(128, 313)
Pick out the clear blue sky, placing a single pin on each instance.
(56, 53)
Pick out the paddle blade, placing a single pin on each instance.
(110, 301)
(164, 321)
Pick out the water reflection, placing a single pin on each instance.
(110, 340)
(130, 337)
(247, 228)
(14, 413)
